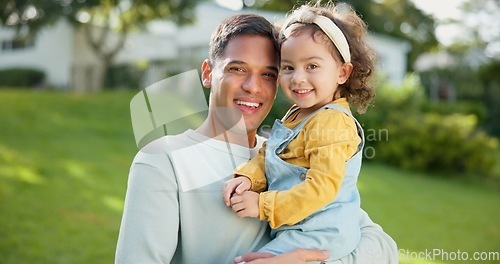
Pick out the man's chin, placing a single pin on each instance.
(251, 126)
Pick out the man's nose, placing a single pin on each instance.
(252, 84)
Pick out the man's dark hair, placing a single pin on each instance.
(245, 24)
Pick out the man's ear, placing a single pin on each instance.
(345, 72)
(206, 74)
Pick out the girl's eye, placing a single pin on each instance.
(287, 68)
(312, 66)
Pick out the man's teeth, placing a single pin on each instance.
(302, 91)
(249, 104)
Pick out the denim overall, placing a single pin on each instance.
(335, 227)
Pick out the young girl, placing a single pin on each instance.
(312, 159)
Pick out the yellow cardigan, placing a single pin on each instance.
(323, 146)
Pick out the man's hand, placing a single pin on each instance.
(246, 204)
(236, 185)
(296, 256)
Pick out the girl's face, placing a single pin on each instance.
(310, 74)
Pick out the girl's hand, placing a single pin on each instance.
(236, 185)
(246, 204)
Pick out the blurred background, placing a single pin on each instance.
(69, 69)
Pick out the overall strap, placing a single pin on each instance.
(290, 112)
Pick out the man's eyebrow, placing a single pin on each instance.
(238, 62)
(273, 68)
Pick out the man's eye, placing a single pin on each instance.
(236, 69)
(271, 75)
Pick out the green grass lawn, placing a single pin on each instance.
(64, 160)
(432, 213)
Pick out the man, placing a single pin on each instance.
(174, 211)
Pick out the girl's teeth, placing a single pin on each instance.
(302, 91)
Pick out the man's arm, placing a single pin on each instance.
(149, 228)
(375, 246)
(296, 256)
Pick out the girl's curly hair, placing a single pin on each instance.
(358, 89)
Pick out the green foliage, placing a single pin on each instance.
(477, 91)
(42, 13)
(18, 77)
(134, 14)
(490, 80)
(436, 142)
(475, 108)
(417, 139)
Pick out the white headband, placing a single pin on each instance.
(330, 29)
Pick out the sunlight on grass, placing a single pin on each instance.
(11, 168)
(114, 203)
(75, 169)
(21, 173)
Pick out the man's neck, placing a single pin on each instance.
(211, 130)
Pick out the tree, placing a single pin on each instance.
(97, 17)
(479, 23)
(29, 16)
(478, 46)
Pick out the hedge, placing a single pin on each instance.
(21, 77)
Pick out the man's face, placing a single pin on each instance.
(243, 82)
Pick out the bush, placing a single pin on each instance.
(424, 136)
(475, 108)
(436, 142)
(21, 77)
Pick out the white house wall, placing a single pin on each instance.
(51, 53)
(392, 56)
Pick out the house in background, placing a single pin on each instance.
(62, 52)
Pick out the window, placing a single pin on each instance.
(18, 44)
